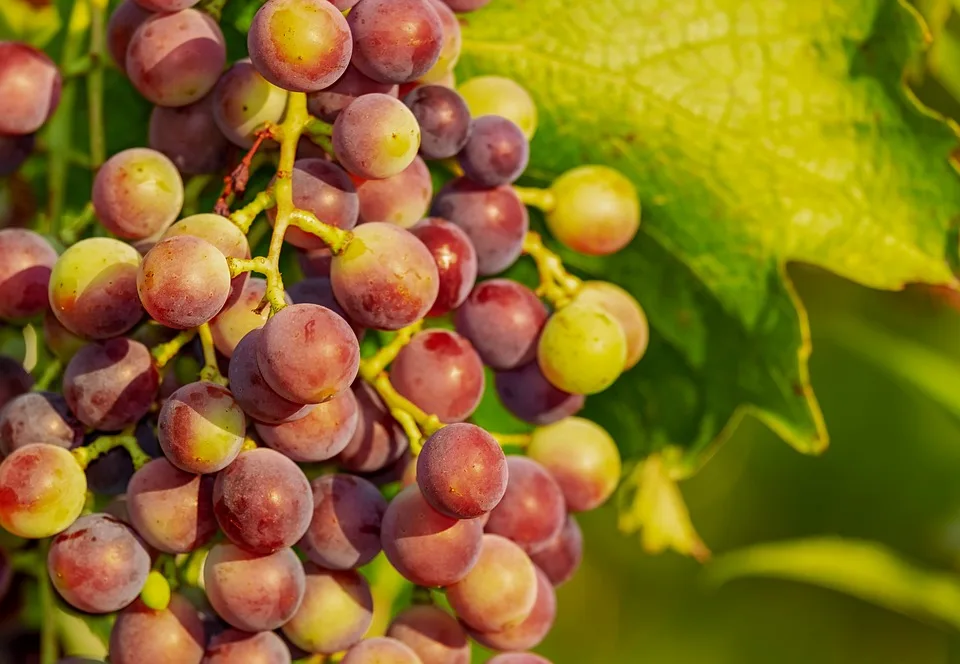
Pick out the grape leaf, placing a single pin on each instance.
(756, 133)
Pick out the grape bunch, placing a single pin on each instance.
(220, 459)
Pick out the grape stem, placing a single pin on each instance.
(165, 352)
(75, 225)
(542, 199)
(511, 439)
(125, 439)
(244, 217)
(98, 10)
(210, 372)
(192, 191)
(213, 8)
(50, 374)
(557, 285)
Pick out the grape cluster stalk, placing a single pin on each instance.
(226, 446)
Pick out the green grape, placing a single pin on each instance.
(582, 349)
(621, 305)
(243, 101)
(42, 491)
(336, 611)
(496, 95)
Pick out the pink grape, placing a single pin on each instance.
(26, 261)
(395, 41)
(189, 136)
(402, 199)
(456, 261)
(326, 104)
(344, 532)
(381, 650)
(532, 511)
(378, 440)
(29, 86)
(137, 193)
(336, 612)
(432, 633)
(376, 136)
(327, 191)
(38, 417)
(124, 21)
(503, 319)
(529, 632)
(318, 436)
(201, 428)
(174, 635)
(561, 557)
(531, 397)
(315, 262)
(235, 647)
(255, 396)
(42, 491)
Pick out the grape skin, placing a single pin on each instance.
(171, 509)
(496, 153)
(172, 636)
(375, 136)
(123, 22)
(527, 394)
(532, 510)
(235, 647)
(327, 191)
(189, 136)
(560, 559)
(452, 44)
(201, 428)
(319, 290)
(14, 150)
(98, 564)
(327, 103)
(29, 86)
(315, 262)
(395, 41)
(378, 441)
(110, 473)
(237, 319)
(255, 396)
(26, 261)
(456, 261)
(336, 612)
(42, 491)
(503, 320)
(320, 435)
(531, 630)
(402, 199)
(243, 101)
(434, 635)
(497, 95)
(14, 380)
(582, 349)
(62, 342)
(38, 417)
(381, 650)
(253, 592)
(444, 120)
(137, 193)
(625, 309)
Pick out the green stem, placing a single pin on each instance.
(84, 455)
(163, 353)
(210, 371)
(244, 217)
(192, 192)
(75, 226)
(213, 8)
(542, 199)
(512, 439)
(49, 375)
(98, 10)
(48, 625)
(557, 285)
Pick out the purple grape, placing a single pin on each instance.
(255, 396)
(337, 610)
(26, 261)
(235, 647)
(532, 511)
(327, 191)
(29, 86)
(444, 120)
(432, 633)
(189, 136)
(378, 440)
(321, 435)
(124, 21)
(381, 650)
(496, 153)
(201, 428)
(527, 394)
(502, 319)
(529, 632)
(401, 200)
(344, 532)
(561, 557)
(395, 41)
(14, 150)
(376, 136)
(14, 380)
(174, 635)
(327, 103)
(319, 290)
(456, 261)
(38, 417)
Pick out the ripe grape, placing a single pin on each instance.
(344, 532)
(112, 384)
(625, 309)
(432, 633)
(29, 86)
(62, 342)
(243, 101)
(236, 319)
(175, 59)
(253, 592)
(518, 658)
(235, 647)
(452, 43)
(263, 501)
(320, 435)
(171, 509)
(38, 417)
(327, 191)
(444, 120)
(189, 136)
(395, 41)
(14, 150)
(124, 21)
(201, 428)
(582, 349)
(456, 261)
(426, 547)
(174, 635)
(98, 564)
(503, 320)
(527, 394)
(495, 220)
(376, 136)
(462, 471)
(595, 210)
(465, 5)
(110, 473)
(499, 591)
(255, 396)
(26, 261)
(319, 290)
(300, 45)
(532, 511)
(327, 103)
(42, 491)
(137, 193)
(337, 610)
(183, 282)
(561, 558)
(496, 153)
(496, 95)
(531, 630)
(381, 650)
(378, 440)
(386, 278)
(315, 262)
(440, 372)
(14, 380)
(167, 5)
(402, 199)
(93, 288)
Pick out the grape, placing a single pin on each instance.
(62, 342)
(532, 511)
(243, 101)
(496, 153)
(378, 440)
(595, 210)
(433, 634)
(319, 290)
(503, 320)
(263, 501)
(110, 473)
(402, 199)
(395, 41)
(14, 150)
(98, 564)
(308, 354)
(183, 282)
(300, 45)
(386, 278)
(225, 236)
(26, 261)
(171, 510)
(561, 558)
(344, 5)
(444, 120)
(376, 136)
(337, 610)
(175, 59)
(452, 43)
(38, 417)
(326, 190)
(582, 349)
(499, 591)
(527, 394)
(42, 491)
(171, 636)
(625, 309)
(255, 396)
(14, 380)
(327, 103)
(531, 630)
(236, 319)
(253, 592)
(381, 650)
(189, 137)
(495, 220)
(236, 647)
(201, 428)
(426, 547)
(93, 288)
(456, 261)
(344, 532)
(167, 5)
(320, 435)
(315, 262)
(111, 385)
(137, 193)
(124, 21)
(465, 5)
(462, 471)
(518, 658)
(496, 95)
(29, 86)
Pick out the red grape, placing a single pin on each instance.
(375, 136)
(189, 136)
(402, 199)
(29, 86)
(395, 41)
(532, 511)
(432, 633)
(496, 153)
(327, 191)
(456, 261)
(502, 319)
(378, 440)
(444, 120)
(42, 491)
(381, 650)
(173, 635)
(531, 630)
(238, 318)
(235, 647)
(201, 428)
(319, 290)
(344, 532)
(320, 435)
(124, 21)
(255, 396)
(561, 557)
(38, 417)
(327, 103)
(527, 394)
(14, 380)
(26, 261)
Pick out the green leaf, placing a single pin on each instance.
(756, 133)
(862, 569)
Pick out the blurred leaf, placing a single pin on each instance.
(26, 22)
(866, 570)
(84, 634)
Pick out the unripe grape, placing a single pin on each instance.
(496, 95)
(201, 428)
(531, 630)
(621, 305)
(337, 610)
(244, 100)
(582, 349)
(42, 491)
